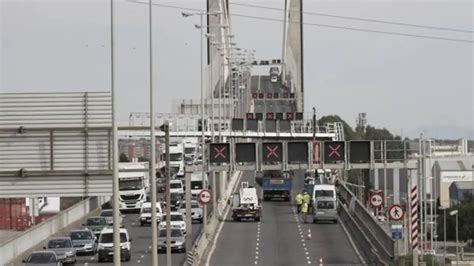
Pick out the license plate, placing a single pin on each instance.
(319, 212)
(111, 253)
(248, 215)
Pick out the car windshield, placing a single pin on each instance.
(174, 233)
(189, 150)
(175, 196)
(41, 258)
(324, 193)
(176, 157)
(174, 218)
(130, 184)
(59, 243)
(175, 185)
(196, 184)
(107, 213)
(325, 205)
(109, 238)
(81, 235)
(96, 221)
(148, 210)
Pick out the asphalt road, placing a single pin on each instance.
(281, 238)
(270, 105)
(141, 245)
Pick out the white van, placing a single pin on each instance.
(324, 191)
(324, 203)
(145, 213)
(196, 183)
(176, 186)
(106, 245)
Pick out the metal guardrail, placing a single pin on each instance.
(22, 243)
(381, 241)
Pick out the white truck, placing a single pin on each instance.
(246, 204)
(196, 183)
(190, 150)
(132, 190)
(176, 159)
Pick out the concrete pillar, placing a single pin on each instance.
(396, 185)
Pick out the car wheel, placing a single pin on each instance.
(257, 219)
(315, 221)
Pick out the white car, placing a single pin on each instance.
(196, 210)
(274, 78)
(145, 213)
(109, 216)
(176, 186)
(177, 222)
(105, 247)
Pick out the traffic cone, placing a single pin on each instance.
(309, 234)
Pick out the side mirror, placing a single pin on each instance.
(44, 247)
(131, 239)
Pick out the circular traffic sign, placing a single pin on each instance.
(204, 196)
(395, 212)
(376, 200)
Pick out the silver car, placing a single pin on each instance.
(42, 258)
(178, 241)
(84, 241)
(63, 248)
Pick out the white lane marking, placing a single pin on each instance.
(149, 247)
(307, 258)
(142, 256)
(86, 263)
(138, 261)
(305, 249)
(256, 262)
(92, 258)
(309, 262)
(257, 244)
(256, 257)
(306, 252)
(256, 252)
(133, 224)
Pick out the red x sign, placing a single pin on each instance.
(335, 150)
(289, 116)
(249, 115)
(219, 152)
(254, 95)
(269, 95)
(272, 152)
(270, 116)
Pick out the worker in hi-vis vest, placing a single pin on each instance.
(299, 202)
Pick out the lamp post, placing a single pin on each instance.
(314, 123)
(165, 128)
(452, 213)
(444, 231)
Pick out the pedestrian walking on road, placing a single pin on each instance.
(304, 211)
(299, 202)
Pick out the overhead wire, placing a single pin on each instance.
(319, 25)
(357, 18)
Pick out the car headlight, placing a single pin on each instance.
(88, 245)
(179, 243)
(101, 246)
(125, 245)
(183, 225)
(69, 253)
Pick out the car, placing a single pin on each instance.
(273, 78)
(83, 241)
(145, 213)
(109, 216)
(95, 224)
(176, 199)
(177, 222)
(161, 184)
(188, 160)
(63, 248)
(178, 241)
(106, 245)
(176, 186)
(196, 210)
(43, 258)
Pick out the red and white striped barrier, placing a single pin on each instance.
(414, 217)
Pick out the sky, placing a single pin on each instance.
(408, 85)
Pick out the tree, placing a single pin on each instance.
(349, 133)
(123, 158)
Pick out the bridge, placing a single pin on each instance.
(61, 145)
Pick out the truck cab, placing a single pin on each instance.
(276, 185)
(245, 204)
(132, 190)
(176, 159)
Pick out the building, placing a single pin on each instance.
(446, 172)
(461, 191)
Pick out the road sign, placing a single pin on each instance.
(299, 116)
(316, 152)
(290, 116)
(269, 95)
(249, 116)
(272, 152)
(219, 153)
(334, 151)
(279, 116)
(237, 124)
(259, 116)
(270, 116)
(254, 95)
(252, 124)
(397, 232)
(376, 200)
(395, 212)
(297, 152)
(359, 151)
(204, 196)
(245, 153)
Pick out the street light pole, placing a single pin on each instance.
(166, 128)
(154, 229)
(314, 123)
(204, 185)
(115, 155)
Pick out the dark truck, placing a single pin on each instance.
(276, 184)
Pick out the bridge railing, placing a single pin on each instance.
(382, 243)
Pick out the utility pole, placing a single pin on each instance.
(203, 143)
(166, 129)
(115, 155)
(154, 229)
